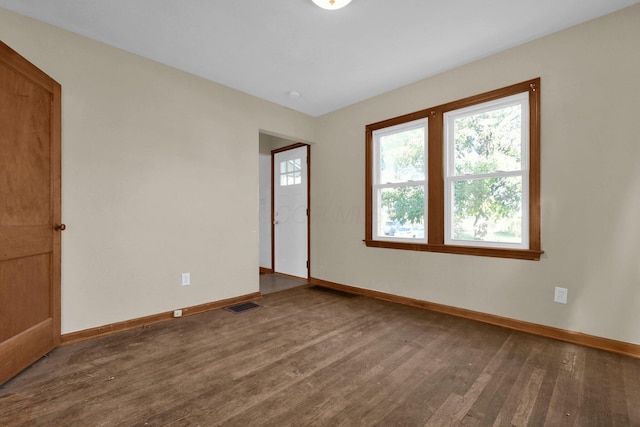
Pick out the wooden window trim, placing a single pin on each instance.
(435, 220)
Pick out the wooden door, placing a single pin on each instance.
(29, 213)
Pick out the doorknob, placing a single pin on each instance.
(60, 227)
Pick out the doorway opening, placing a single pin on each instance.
(284, 236)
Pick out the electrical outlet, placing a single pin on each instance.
(177, 313)
(561, 295)
(186, 279)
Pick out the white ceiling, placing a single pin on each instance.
(269, 48)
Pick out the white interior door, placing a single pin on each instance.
(290, 212)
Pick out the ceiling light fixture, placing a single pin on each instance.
(332, 4)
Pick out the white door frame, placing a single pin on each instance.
(273, 207)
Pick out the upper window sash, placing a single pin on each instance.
(521, 100)
(378, 135)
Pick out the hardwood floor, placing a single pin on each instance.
(316, 358)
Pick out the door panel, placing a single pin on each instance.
(22, 278)
(291, 230)
(26, 151)
(29, 210)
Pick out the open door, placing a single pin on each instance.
(29, 213)
(291, 211)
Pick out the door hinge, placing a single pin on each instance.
(307, 264)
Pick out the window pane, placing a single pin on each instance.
(488, 210)
(401, 156)
(488, 142)
(401, 212)
(290, 178)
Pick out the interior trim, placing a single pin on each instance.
(140, 322)
(523, 254)
(593, 341)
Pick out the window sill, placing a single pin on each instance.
(524, 254)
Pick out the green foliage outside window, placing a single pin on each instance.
(402, 158)
(404, 204)
(488, 142)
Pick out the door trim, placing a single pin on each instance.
(273, 231)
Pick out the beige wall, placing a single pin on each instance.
(590, 188)
(268, 143)
(160, 177)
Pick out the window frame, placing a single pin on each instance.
(450, 176)
(435, 168)
(377, 186)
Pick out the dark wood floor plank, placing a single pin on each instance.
(566, 400)
(313, 400)
(383, 392)
(597, 391)
(528, 398)
(242, 349)
(424, 384)
(457, 363)
(505, 394)
(631, 381)
(456, 407)
(618, 397)
(271, 370)
(508, 369)
(314, 358)
(267, 375)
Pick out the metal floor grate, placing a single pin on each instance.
(242, 307)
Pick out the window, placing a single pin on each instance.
(290, 172)
(400, 181)
(462, 177)
(486, 162)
